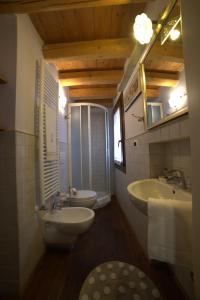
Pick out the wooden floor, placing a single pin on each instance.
(60, 275)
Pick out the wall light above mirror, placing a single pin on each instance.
(164, 73)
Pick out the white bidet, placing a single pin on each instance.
(61, 227)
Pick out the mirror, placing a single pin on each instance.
(164, 73)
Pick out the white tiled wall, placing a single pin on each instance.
(139, 160)
(9, 252)
(31, 245)
(20, 235)
(171, 155)
(138, 157)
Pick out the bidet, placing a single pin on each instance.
(62, 227)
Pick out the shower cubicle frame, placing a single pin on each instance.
(107, 141)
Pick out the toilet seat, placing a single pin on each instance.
(83, 198)
(84, 194)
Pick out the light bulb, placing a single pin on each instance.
(142, 28)
(175, 34)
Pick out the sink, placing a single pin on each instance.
(140, 191)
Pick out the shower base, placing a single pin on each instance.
(103, 198)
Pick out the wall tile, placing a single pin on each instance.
(9, 263)
(31, 244)
(174, 131)
(184, 127)
(172, 155)
(152, 153)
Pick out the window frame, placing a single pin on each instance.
(119, 105)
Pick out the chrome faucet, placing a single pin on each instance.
(175, 177)
(55, 202)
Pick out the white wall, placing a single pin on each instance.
(172, 155)
(138, 158)
(134, 127)
(29, 49)
(9, 253)
(138, 166)
(31, 246)
(190, 12)
(8, 46)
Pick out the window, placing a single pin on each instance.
(154, 112)
(119, 139)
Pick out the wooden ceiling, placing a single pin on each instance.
(87, 24)
(163, 65)
(89, 47)
(88, 41)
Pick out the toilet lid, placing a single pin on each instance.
(82, 194)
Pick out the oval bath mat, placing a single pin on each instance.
(115, 280)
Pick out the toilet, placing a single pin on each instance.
(62, 227)
(82, 198)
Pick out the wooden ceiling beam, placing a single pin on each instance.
(28, 6)
(90, 64)
(167, 52)
(92, 93)
(90, 78)
(161, 79)
(95, 49)
(152, 93)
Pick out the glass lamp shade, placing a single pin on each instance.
(143, 29)
(175, 34)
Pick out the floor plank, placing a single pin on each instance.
(60, 275)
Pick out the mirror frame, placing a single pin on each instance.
(161, 23)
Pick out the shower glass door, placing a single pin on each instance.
(89, 165)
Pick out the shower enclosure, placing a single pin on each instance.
(89, 152)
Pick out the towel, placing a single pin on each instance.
(170, 231)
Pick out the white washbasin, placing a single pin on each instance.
(140, 191)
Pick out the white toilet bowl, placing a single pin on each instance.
(83, 198)
(61, 227)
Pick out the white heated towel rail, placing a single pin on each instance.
(49, 169)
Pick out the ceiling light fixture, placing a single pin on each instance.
(143, 29)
